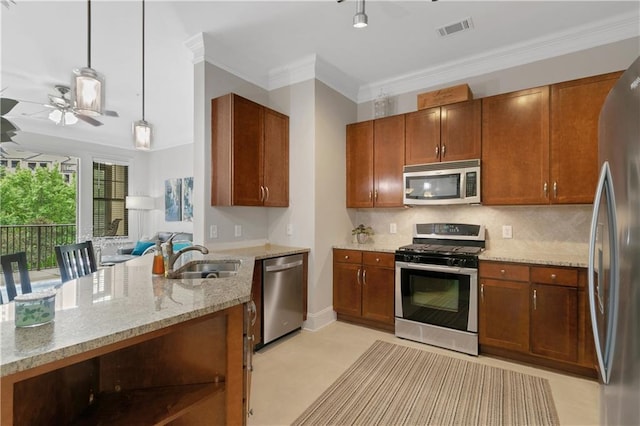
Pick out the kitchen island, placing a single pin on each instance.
(126, 347)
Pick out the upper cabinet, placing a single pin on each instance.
(540, 145)
(575, 110)
(445, 133)
(375, 157)
(515, 147)
(249, 154)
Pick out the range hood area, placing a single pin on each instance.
(443, 183)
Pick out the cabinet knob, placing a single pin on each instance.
(502, 271)
(378, 259)
(553, 277)
(346, 257)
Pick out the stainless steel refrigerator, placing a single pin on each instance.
(614, 253)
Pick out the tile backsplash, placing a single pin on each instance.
(534, 227)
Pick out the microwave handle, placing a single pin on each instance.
(463, 185)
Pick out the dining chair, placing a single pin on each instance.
(8, 261)
(76, 260)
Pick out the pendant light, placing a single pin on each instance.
(142, 129)
(87, 85)
(360, 19)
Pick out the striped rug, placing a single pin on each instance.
(396, 385)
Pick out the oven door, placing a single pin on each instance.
(445, 296)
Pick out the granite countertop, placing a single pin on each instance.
(541, 253)
(114, 304)
(265, 251)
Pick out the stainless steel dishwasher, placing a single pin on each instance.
(282, 282)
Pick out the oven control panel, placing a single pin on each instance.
(431, 259)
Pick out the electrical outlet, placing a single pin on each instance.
(238, 230)
(393, 228)
(507, 231)
(289, 229)
(213, 231)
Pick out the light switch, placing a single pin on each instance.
(213, 231)
(238, 230)
(507, 231)
(289, 229)
(393, 228)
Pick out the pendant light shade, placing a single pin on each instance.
(141, 128)
(142, 135)
(87, 85)
(62, 118)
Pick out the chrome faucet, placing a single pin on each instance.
(172, 257)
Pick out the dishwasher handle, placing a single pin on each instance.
(283, 267)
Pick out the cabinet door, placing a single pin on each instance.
(346, 288)
(422, 136)
(360, 164)
(461, 131)
(248, 139)
(378, 287)
(504, 314)
(575, 110)
(515, 147)
(388, 150)
(554, 322)
(276, 159)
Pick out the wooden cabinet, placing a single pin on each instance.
(446, 133)
(375, 157)
(504, 306)
(363, 287)
(182, 373)
(249, 154)
(540, 145)
(536, 314)
(575, 110)
(515, 147)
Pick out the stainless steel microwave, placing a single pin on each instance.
(452, 182)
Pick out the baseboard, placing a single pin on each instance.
(315, 321)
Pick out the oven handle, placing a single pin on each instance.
(436, 268)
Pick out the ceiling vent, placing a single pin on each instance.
(456, 27)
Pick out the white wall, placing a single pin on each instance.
(169, 163)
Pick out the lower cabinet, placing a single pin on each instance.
(536, 314)
(363, 287)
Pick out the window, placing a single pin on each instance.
(110, 185)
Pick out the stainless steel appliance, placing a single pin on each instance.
(452, 182)
(614, 253)
(436, 294)
(282, 282)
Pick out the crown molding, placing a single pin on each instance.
(579, 38)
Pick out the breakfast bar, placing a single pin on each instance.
(131, 348)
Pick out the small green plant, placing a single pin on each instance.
(361, 229)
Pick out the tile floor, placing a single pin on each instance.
(291, 373)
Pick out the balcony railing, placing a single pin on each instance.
(38, 241)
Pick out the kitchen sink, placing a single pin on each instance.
(207, 269)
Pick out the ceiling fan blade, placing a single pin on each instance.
(6, 137)
(7, 126)
(110, 113)
(7, 105)
(88, 119)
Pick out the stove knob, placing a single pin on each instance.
(416, 259)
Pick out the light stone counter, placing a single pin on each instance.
(265, 251)
(551, 254)
(114, 304)
(370, 246)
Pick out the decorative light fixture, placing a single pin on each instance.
(139, 203)
(360, 19)
(87, 85)
(62, 118)
(141, 128)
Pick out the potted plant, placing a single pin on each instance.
(362, 233)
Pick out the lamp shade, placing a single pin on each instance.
(88, 91)
(142, 135)
(139, 202)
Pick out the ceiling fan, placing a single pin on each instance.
(65, 113)
(7, 128)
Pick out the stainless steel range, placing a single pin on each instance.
(436, 300)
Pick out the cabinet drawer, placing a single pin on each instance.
(504, 271)
(375, 258)
(347, 256)
(555, 276)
